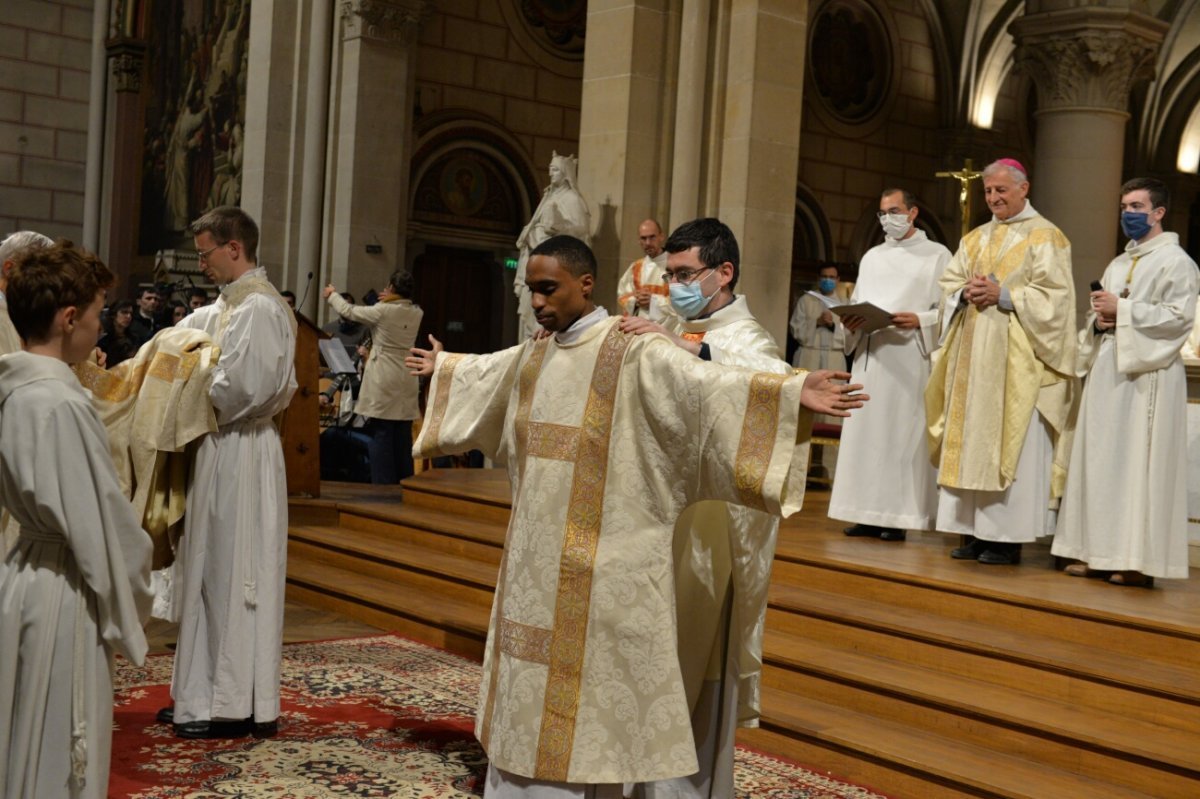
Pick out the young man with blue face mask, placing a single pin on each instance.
(1124, 513)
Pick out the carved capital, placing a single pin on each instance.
(1087, 58)
(395, 22)
(125, 58)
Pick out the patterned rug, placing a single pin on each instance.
(362, 717)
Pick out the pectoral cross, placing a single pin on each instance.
(964, 177)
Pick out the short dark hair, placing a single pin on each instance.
(1160, 195)
(288, 293)
(151, 289)
(571, 254)
(714, 238)
(226, 223)
(46, 279)
(402, 283)
(910, 202)
(196, 291)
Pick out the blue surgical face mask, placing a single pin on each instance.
(1136, 224)
(827, 285)
(688, 298)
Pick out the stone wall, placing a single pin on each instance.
(470, 59)
(45, 53)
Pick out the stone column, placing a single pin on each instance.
(627, 69)
(367, 211)
(127, 62)
(1083, 62)
(760, 148)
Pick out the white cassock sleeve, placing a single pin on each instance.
(1150, 333)
(70, 487)
(253, 377)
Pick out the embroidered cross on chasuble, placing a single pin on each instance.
(606, 441)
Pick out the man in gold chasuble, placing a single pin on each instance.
(1000, 393)
(607, 438)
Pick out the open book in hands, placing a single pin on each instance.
(874, 317)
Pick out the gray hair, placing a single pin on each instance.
(22, 239)
(1000, 166)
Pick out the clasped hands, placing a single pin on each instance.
(982, 292)
(1104, 303)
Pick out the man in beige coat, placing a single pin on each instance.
(388, 399)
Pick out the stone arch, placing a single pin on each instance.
(492, 209)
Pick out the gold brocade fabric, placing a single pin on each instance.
(153, 405)
(607, 440)
(996, 367)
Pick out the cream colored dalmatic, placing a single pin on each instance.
(606, 440)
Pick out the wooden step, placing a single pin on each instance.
(1131, 637)
(414, 517)
(468, 493)
(948, 765)
(442, 606)
(1068, 736)
(386, 549)
(1096, 662)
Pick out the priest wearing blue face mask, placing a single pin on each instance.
(1124, 512)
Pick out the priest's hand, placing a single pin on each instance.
(101, 357)
(852, 322)
(1104, 303)
(982, 292)
(325, 292)
(821, 394)
(640, 325)
(643, 298)
(906, 320)
(421, 362)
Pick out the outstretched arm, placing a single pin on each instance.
(821, 394)
(421, 362)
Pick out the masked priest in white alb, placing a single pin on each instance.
(1124, 513)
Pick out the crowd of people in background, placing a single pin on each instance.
(128, 324)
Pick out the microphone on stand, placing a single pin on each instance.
(307, 286)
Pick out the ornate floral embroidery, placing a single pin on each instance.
(757, 441)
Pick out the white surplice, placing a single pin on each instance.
(607, 438)
(233, 557)
(884, 476)
(1125, 506)
(74, 590)
(723, 557)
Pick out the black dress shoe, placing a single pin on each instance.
(892, 534)
(212, 729)
(971, 551)
(165, 715)
(863, 531)
(264, 729)
(1000, 554)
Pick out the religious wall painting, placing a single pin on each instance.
(195, 112)
(466, 188)
(851, 64)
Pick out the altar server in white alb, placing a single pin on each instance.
(886, 484)
(233, 558)
(607, 437)
(76, 587)
(723, 552)
(1124, 513)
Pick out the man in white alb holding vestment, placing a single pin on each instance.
(886, 484)
(1002, 384)
(1124, 513)
(723, 552)
(607, 438)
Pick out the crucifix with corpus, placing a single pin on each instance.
(965, 204)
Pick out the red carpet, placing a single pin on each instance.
(364, 717)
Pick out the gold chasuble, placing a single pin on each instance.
(996, 366)
(153, 405)
(606, 440)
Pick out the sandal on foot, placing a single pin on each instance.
(1083, 570)
(1135, 579)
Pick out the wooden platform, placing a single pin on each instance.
(887, 663)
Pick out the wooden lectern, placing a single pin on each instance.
(301, 430)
